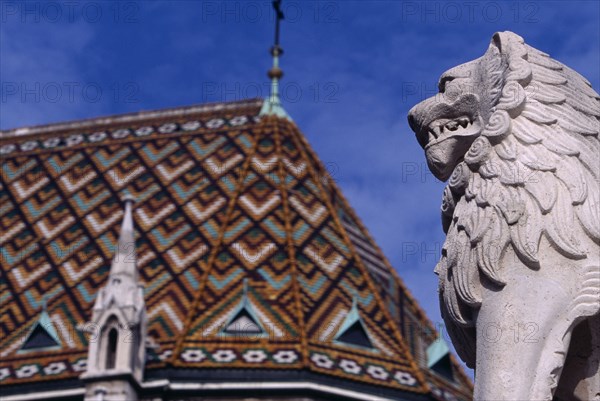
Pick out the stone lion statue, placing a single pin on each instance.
(515, 133)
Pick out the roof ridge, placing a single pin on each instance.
(311, 166)
(290, 242)
(129, 117)
(214, 251)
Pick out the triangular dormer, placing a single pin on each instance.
(438, 358)
(244, 321)
(353, 331)
(42, 336)
(356, 335)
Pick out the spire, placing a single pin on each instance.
(272, 106)
(124, 261)
(123, 276)
(118, 356)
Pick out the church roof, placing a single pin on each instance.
(251, 258)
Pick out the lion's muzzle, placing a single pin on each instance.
(445, 130)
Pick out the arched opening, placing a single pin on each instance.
(111, 348)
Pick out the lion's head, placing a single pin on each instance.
(446, 125)
(472, 94)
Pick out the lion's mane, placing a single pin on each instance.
(533, 172)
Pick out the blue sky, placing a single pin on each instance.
(352, 71)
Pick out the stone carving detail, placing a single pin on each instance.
(515, 133)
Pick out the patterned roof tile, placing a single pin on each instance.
(225, 201)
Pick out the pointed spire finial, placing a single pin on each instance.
(272, 105)
(124, 261)
(127, 224)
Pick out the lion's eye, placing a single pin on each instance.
(443, 82)
(453, 90)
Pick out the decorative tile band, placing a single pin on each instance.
(355, 368)
(122, 133)
(53, 368)
(442, 394)
(179, 112)
(255, 356)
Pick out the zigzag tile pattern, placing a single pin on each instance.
(223, 198)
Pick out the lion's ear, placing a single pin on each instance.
(497, 41)
(502, 40)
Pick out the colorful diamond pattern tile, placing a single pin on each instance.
(230, 211)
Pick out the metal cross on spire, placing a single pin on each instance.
(278, 17)
(272, 105)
